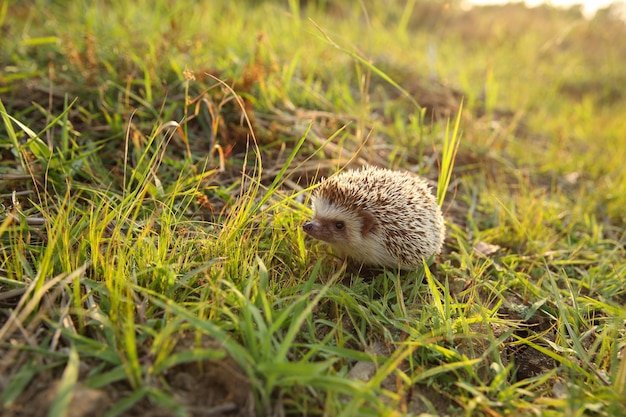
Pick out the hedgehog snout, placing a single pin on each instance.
(319, 230)
(308, 227)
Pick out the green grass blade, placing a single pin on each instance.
(61, 404)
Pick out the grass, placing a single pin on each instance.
(156, 164)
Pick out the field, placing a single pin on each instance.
(156, 165)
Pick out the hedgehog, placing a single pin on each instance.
(378, 217)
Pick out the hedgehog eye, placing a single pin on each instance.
(339, 225)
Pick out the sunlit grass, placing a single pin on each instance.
(155, 181)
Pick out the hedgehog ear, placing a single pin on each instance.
(368, 222)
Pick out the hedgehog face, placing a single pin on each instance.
(350, 233)
(333, 224)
